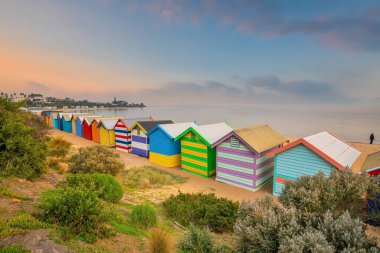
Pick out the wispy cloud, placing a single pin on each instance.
(358, 30)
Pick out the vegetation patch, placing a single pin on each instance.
(6, 192)
(149, 177)
(107, 187)
(159, 241)
(203, 210)
(144, 216)
(14, 249)
(78, 211)
(95, 159)
(58, 147)
(20, 224)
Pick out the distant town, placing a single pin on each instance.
(39, 100)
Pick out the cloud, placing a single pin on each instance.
(350, 30)
(265, 89)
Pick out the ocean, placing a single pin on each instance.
(350, 122)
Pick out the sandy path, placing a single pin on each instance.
(194, 183)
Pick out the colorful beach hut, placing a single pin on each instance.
(241, 160)
(107, 132)
(307, 156)
(87, 126)
(73, 120)
(66, 122)
(95, 130)
(140, 139)
(122, 133)
(78, 125)
(371, 164)
(55, 120)
(163, 149)
(198, 155)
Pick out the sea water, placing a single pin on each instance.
(350, 122)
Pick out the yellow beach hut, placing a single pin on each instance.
(107, 132)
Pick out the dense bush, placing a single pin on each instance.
(341, 191)
(202, 209)
(149, 177)
(265, 226)
(197, 240)
(159, 241)
(106, 186)
(79, 210)
(14, 249)
(20, 224)
(144, 216)
(22, 142)
(58, 147)
(95, 159)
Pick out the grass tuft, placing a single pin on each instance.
(6, 192)
(20, 224)
(149, 177)
(159, 241)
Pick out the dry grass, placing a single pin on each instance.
(159, 241)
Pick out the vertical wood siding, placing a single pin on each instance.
(296, 162)
(122, 137)
(87, 130)
(163, 150)
(73, 126)
(78, 128)
(95, 132)
(55, 123)
(197, 157)
(107, 137)
(140, 143)
(67, 126)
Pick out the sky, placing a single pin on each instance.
(193, 51)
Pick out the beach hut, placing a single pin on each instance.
(78, 125)
(163, 150)
(66, 122)
(55, 120)
(95, 130)
(307, 156)
(73, 120)
(122, 133)
(107, 132)
(241, 160)
(87, 126)
(140, 140)
(371, 164)
(198, 155)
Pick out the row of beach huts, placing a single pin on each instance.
(249, 157)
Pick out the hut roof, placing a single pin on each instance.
(259, 138)
(146, 126)
(90, 119)
(210, 134)
(329, 147)
(173, 130)
(372, 162)
(128, 122)
(108, 123)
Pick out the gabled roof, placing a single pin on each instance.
(209, 134)
(146, 126)
(81, 116)
(107, 123)
(128, 122)
(67, 116)
(90, 119)
(54, 115)
(335, 151)
(173, 130)
(258, 138)
(372, 162)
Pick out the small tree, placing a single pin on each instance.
(95, 159)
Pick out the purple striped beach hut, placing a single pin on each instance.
(240, 156)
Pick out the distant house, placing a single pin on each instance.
(240, 156)
(163, 149)
(119, 102)
(198, 155)
(309, 155)
(140, 139)
(123, 134)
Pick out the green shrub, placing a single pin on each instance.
(14, 249)
(54, 164)
(144, 216)
(265, 226)
(159, 241)
(149, 177)
(95, 159)
(197, 240)
(341, 191)
(203, 210)
(78, 210)
(6, 192)
(22, 142)
(58, 147)
(107, 187)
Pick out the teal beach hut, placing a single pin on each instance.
(307, 156)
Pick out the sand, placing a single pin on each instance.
(199, 184)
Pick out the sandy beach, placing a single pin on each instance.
(196, 183)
